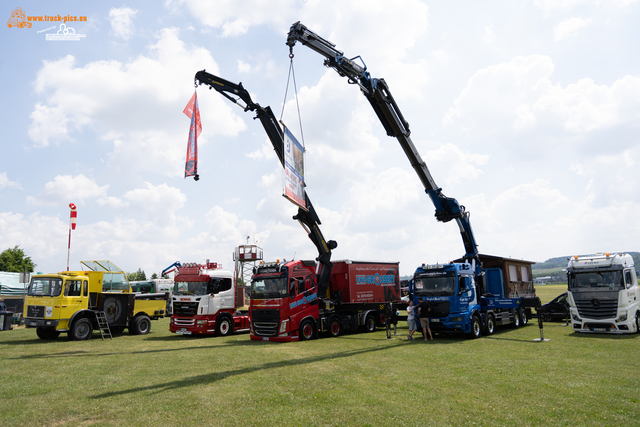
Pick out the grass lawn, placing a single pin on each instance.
(162, 379)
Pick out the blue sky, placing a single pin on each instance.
(526, 112)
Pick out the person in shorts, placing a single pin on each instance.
(411, 320)
(423, 312)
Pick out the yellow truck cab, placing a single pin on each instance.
(73, 301)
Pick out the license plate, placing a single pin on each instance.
(183, 331)
(435, 320)
(32, 323)
(599, 330)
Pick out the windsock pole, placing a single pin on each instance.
(72, 226)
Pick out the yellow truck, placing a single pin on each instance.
(79, 302)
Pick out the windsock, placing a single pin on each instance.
(74, 214)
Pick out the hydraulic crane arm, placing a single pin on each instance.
(377, 93)
(309, 219)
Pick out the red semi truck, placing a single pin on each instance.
(285, 305)
(206, 300)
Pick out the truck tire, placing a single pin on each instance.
(307, 330)
(116, 330)
(516, 319)
(381, 319)
(490, 326)
(224, 326)
(81, 330)
(335, 326)
(476, 327)
(523, 317)
(638, 322)
(369, 323)
(47, 333)
(141, 325)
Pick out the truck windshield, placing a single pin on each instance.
(45, 287)
(269, 288)
(597, 279)
(440, 285)
(190, 288)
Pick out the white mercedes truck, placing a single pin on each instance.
(603, 293)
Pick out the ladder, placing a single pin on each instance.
(103, 325)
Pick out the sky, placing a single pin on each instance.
(527, 112)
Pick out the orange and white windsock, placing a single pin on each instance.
(74, 214)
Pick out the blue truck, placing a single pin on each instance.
(465, 301)
(470, 295)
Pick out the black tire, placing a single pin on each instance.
(381, 319)
(141, 325)
(523, 317)
(112, 308)
(224, 326)
(47, 333)
(307, 330)
(369, 323)
(476, 327)
(81, 330)
(490, 326)
(335, 326)
(516, 319)
(638, 322)
(116, 330)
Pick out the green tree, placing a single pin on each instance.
(15, 261)
(137, 276)
(154, 276)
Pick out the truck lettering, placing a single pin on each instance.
(376, 279)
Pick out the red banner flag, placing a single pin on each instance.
(192, 111)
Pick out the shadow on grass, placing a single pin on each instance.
(218, 376)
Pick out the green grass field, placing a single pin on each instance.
(360, 379)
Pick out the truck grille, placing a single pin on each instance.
(597, 308)
(265, 322)
(185, 308)
(35, 311)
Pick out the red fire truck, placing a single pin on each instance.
(286, 306)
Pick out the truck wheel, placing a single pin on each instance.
(47, 333)
(81, 330)
(475, 327)
(335, 326)
(369, 323)
(116, 330)
(490, 327)
(516, 319)
(141, 325)
(638, 322)
(523, 317)
(307, 331)
(224, 326)
(382, 319)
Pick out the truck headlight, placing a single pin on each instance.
(622, 318)
(201, 322)
(456, 319)
(283, 326)
(575, 317)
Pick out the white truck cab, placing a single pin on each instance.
(603, 293)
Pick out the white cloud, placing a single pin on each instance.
(66, 188)
(130, 103)
(5, 182)
(489, 37)
(121, 20)
(570, 27)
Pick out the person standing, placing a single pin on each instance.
(411, 320)
(423, 311)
